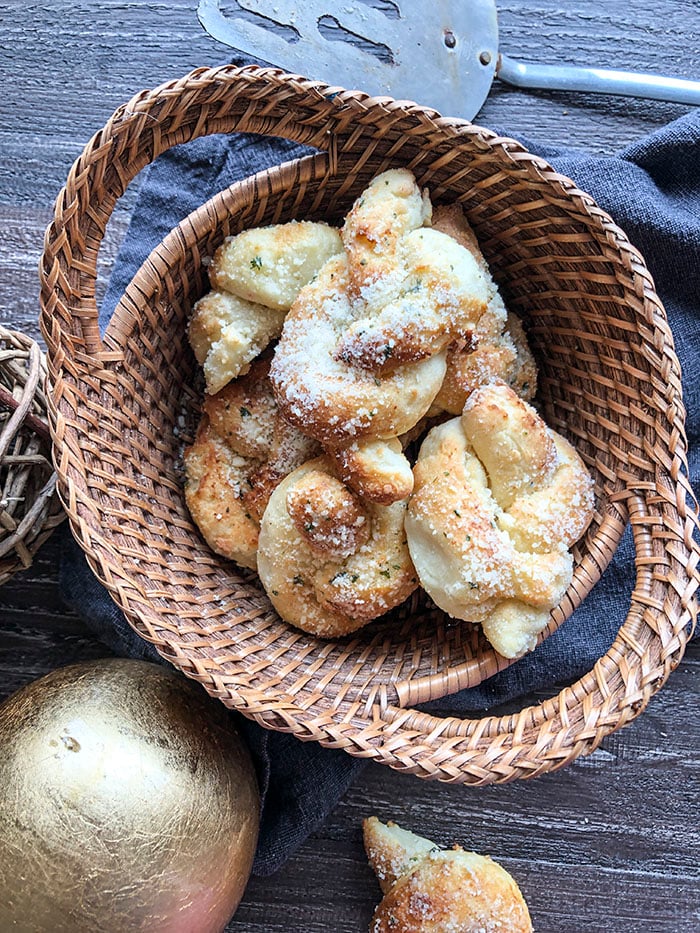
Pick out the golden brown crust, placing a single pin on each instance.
(504, 357)
(429, 890)
(376, 469)
(242, 449)
(309, 582)
(213, 492)
(243, 412)
(498, 349)
(521, 376)
(327, 515)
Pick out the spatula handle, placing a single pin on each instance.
(598, 81)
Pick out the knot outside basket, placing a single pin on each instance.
(29, 506)
(610, 381)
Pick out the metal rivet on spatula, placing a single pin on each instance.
(485, 58)
(450, 39)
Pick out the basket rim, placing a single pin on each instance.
(428, 738)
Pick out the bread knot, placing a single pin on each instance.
(329, 562)
(414, 289)
(428, 889)
(254, 276)
(241, 451)
(498, 500)
(326, 396)
(363, 349)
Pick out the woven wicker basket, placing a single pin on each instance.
(610, 381)
(29, 506)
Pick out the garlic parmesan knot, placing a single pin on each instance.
(254, 277)
(432, 890)
(498, 500)
(362, 352)
(326, 396)
(414, 290)
(330, 562)
(242, 449)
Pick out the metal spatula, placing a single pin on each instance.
(439, 53)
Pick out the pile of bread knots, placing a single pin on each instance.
(327, 354)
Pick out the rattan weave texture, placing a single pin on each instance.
(122, 407)
(29, 506)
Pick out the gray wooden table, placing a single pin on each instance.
(613, 841)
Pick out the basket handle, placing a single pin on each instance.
(206, 101)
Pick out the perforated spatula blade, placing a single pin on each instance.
(439, 53)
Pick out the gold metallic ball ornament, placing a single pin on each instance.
(128, 803)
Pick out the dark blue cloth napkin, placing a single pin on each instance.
(652, 190)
